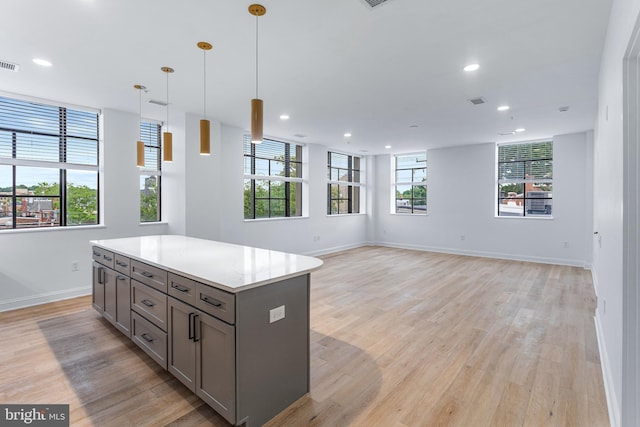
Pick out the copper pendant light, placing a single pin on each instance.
(256, 103)
(168, 137)
(140, 144)
(205, 125)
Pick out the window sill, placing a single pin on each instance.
(346, 214)
(278, 218)
(544, 218)
(51, 229)
(409, 214)
(150, 223)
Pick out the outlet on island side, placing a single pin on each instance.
(75, 266)
(276, 314)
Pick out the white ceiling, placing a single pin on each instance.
(334, 66)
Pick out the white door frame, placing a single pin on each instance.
(630, 410)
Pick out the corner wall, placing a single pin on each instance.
(461, 206)
(36, 264)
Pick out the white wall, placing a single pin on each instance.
(461, 202)
(36, 264)
(608, 199)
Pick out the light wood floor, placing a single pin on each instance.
(398, 338)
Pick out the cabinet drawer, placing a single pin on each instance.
(149, 275)
(182, 288)
(103, 256)
(149, 338)
(122, 265)
(150, 303)
(217, 303)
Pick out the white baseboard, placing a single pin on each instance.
(605, 364)
(483, 254)
(337, 249)
(32, 300)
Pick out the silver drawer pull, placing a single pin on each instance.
(121, 264)
(179, 287)
(121, 277)
(147, 337)
(148, 303)
(212, 302)
(147, 274)
(96, 253)
(108, 258)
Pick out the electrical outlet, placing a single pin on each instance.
(463, 237)
(75, 266)
(276, 314)
(565, 244)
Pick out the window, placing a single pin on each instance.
(343, 189)
(48, 165)
(411, 183)
(525, 179)
(272, 179)
(150, 173)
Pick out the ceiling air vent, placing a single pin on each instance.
(10, 66)
(157, 102)
(374, 3)
(477, 101)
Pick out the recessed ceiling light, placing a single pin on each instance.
(563, 109)
(520, 130)
(472, 67)
(348, 135)
(503, 108)
(413, 126)
(284, 117)
(387, 146)
(42, 62)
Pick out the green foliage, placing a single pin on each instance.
(82, 205)
(149, 201)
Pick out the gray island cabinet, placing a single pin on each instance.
(230, 322)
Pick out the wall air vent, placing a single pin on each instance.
(506, 133)
(477, 101)
(9, 66)
(374, 3)
(156, 102)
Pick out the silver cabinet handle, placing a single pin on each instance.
(147, 274)
(148, 303)
(212, 302)
(147, 337)
(179, 287)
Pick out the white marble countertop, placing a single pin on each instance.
(223, 265)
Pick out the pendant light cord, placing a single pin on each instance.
(140, 112)
(167, 102)
(204, 78)
(256, 56)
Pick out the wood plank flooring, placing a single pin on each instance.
(399, 338)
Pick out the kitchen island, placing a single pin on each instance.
(230, 322)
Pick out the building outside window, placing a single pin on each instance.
(150, 173)
(525, 179)
(48, 165)
(343, 187)
(410, 183)
(272, 179)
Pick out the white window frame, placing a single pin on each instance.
(148, 172)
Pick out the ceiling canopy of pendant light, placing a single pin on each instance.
(168, 137)
(140, 143)
(256, 103)
(205, 125)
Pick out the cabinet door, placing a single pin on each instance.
(110, 295)
(182, 348)
(98, 287)
(216, 367)
(123, 304)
